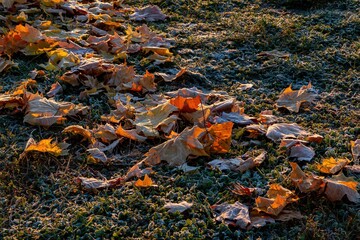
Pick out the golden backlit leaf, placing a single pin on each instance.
(271, 206)
(46, 146)
(339, 186)
(292, 100)
(147, 182)
(276, 189)
(331, 165)
(219, 136)
(131, 134)
(187, 105)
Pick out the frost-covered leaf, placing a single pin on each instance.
(279, 131)
(301, 152)
(292, 100)
(236, 214)
(178, 207)
(148, 13)
(339, 186)
(91, 184)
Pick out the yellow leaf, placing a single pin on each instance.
(45, 146)
(147, 182)
(331, 165)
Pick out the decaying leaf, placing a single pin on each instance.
(97, 155)
(355, 150)
(175, 151)
(148, 13)
(46, 146)
(236, 214)
(131, 134)
(292, 100)
(331, 165)
(241, 190)
(271, 206)
(55, 89)
(46, 112)
(240, 164)
(148, 121)
(339, 186)
(279, 131)
(77, 129)
(278, 198)
(301, 152)
(92, 184)
(178, 207)
(135, 171)
(147, 182)
(306, 183)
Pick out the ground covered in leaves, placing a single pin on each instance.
(103, 135)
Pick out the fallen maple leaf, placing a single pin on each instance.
(106, 133)
(77, 129)
(219, 138)
(96, 155)
(135, 171)
(175, 151)
(271, 206)
(46, 146)
(339, 186)
(331, 165)
(292, 100)
(305, 182)
(148, 121)
(241, 190)
(301, 152)
(131, 134)
(91, 184)
(276, 189)
(188, 105)
(279, 131)
(46, 112)
(178, 207)
(148, 13)
(236, 214)
(55, 89)
(147, 182)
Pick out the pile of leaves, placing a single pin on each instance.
(187, 124)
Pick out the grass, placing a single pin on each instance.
(220, 40)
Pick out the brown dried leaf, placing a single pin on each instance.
(236, 214)
(292, 100)
(271, 206)
(301, 152)
(55, 89)
(6, 64)
(131, 134)
(77, 129)
(97, 155)
(91, 184)
(285, 130)
(175, 151)
(305, 182)
(148, 13)
(339, 186)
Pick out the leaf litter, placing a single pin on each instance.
(89, 59)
